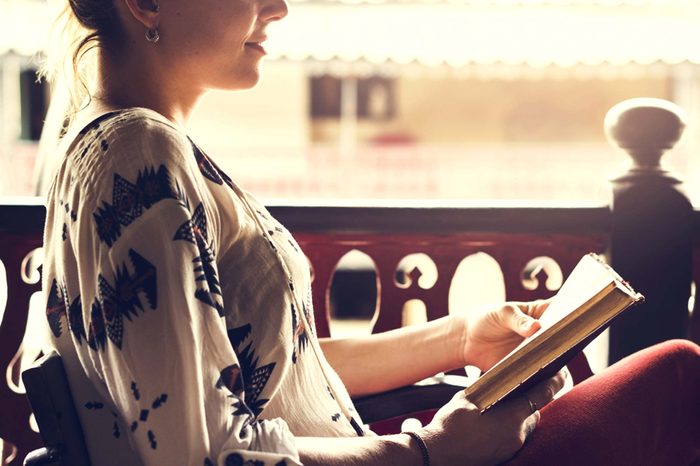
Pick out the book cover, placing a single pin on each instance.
(590, 298)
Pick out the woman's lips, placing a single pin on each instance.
(256, 46)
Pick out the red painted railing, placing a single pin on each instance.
(446, 236)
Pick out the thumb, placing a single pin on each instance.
(521, 323)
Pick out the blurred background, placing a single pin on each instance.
(479, 100)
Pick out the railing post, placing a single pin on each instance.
(651, 226)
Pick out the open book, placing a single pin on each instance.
(592, 296)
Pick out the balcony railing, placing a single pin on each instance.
(648, 232)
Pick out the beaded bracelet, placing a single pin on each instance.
(421, 446)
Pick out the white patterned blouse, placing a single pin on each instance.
(181, 308)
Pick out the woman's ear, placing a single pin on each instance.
(146, 12)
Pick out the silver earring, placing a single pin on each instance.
(152, 35)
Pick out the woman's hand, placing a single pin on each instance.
(459, 434)
(491, 334)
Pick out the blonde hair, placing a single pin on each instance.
(69, 67)
(80, 27)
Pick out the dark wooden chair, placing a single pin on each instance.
(52, 403)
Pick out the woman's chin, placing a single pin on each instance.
(241, 81)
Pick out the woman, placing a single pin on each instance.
(182, 308)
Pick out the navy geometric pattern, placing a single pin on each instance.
(71, 212)
(129, 200)
(57, 306)
(254, 378)
(75, 319)
(144, 414)
(55, 309)
(300, 337)
(308, 308)
(300, 332)
(237, 335)
(206, 273)
(196, 226)
(209, 169)
(97, 335)
(208, 287)
(73, 217)
(122, 299)
(95, 124)
(97, 406)
(230, 379)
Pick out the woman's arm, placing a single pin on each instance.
(402, 356)
(406, 355)
(386, 450)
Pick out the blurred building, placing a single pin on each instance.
(462, 99)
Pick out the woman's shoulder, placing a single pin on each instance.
(139, 130)
(127, 142)
(129, 153)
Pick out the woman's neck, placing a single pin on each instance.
(134, 81)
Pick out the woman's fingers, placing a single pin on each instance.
(541, 394)
(535, 308)
(531, 423)
(520, 322)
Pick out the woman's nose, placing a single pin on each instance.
(273, 10)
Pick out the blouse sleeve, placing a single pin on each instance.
(156, 333)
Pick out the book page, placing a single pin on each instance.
(588, 278)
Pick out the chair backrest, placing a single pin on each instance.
(49, 394)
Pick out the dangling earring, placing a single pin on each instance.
(152, 35)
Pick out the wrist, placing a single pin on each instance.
(457, 340)
(418, 447)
